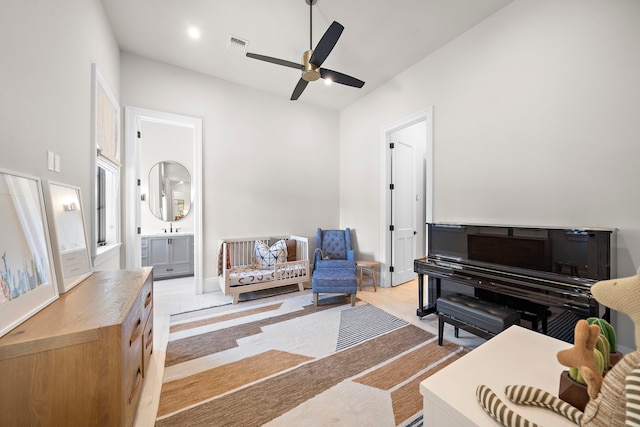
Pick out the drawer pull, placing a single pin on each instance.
(136, 386)
(148, 300)
(136, 332)
(149, 338)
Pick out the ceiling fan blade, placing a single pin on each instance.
(326, 44)
(276, 61)
(302, 84)
(343, 79)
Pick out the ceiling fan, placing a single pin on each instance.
(313, 59)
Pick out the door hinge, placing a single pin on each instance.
(139, 230)
(138, 182)
(392, 146)
(391, 228)
(391, 269)
(392, 187)
(139, 134)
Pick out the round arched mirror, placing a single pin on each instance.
(169, 191)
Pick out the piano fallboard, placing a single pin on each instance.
(547, 289)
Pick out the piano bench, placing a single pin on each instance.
(479, 317)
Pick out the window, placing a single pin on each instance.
(106, 201)
(107, 206)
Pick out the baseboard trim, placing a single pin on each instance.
(212, 284)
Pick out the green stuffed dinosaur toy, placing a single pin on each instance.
(614, 399)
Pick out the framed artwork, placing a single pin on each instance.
(27, 278)
(68, 235)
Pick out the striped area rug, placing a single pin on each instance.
(290, 363)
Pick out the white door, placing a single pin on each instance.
(407, 200)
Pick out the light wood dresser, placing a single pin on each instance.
(81, 361)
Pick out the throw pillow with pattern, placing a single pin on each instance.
(266, 257)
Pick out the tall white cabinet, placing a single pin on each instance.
(170, 256)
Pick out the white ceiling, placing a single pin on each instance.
(381, 38)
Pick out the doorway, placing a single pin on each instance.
(408, 193)
(135, 121)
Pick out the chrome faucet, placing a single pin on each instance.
(171, 227)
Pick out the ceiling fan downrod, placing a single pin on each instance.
(311, 3)
(310, 72)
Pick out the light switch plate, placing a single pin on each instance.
(56, 163)
(51, 160)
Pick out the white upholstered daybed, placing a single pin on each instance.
(253, 264)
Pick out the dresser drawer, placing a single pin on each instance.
(146, 300)
(147, 344)
(132, 344)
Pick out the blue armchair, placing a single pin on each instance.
(334, 250)
(334, 265)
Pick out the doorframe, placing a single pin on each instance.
(426, 116)
(131, 215)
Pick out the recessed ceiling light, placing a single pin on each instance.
(194, 33)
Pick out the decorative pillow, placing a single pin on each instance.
(266, 257)
(291, 250)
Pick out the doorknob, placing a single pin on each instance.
(415, 232)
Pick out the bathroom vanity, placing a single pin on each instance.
(170, 254)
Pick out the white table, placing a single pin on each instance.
(515, 356)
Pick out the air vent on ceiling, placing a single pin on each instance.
(237, 44)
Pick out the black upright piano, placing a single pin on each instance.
(513, 265)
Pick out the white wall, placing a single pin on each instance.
(535, 122)
(270, 165)
(47, 49)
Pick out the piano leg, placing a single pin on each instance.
(433, 285)
(420, 312)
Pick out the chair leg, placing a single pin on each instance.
(456, 332)
(315, 299)
(440, 329)
(353, 300)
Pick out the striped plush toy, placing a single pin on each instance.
(614, 399)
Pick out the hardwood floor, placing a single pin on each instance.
(178, 296)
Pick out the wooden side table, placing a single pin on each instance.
(368, 268)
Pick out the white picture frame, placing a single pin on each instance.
(27, 276)
(68, 234)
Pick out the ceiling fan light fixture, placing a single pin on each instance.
(312, 59)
